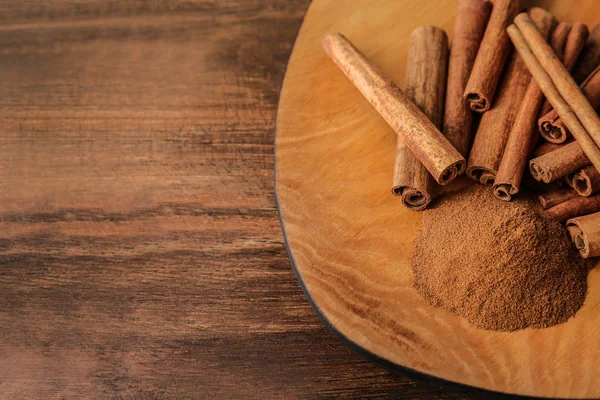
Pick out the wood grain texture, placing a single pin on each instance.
(352, 242)
(141, 256)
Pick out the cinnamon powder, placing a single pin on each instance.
(501, 265)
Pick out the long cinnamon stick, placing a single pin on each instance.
(425, 85)
(587, 181)
(590, 56)
(562, 80)
(553, 128)
(575, 208)
(559, 163)
(523, 134)
(491, 57)
(471, 21)
(568, 42)
(494, 127)
(553, 93)
(421, 136)
(556, 197)
(585, 233)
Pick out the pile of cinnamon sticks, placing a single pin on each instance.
(514, 103)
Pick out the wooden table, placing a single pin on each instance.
(141, 256)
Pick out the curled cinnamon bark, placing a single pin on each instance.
(558, 86)
(585, 233)
(491, 57)
(494, 128)
(587, 181)
(557, 164)
(553, 128)
(471, 21)
(523, 134)
(425, 84)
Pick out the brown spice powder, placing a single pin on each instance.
(502, 266)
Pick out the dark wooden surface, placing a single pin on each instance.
(140, 252)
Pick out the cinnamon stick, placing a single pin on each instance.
(559, 38)
(494, 127)
(569, 179)
(545, 148)
(540, 150)
(554, 198)
(575, 43)
(590, 56)
(425, 84)
(587, 181)
(539, 186)
(553, 128)
(584, 66)
(419, 134)
(558, 86)
(471, 21)
(491, 57)
(559, 163)
(575, 208)
(568, 42)
(585, 233)
(523, 134)
(561, 78)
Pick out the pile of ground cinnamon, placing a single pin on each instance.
(502, 266)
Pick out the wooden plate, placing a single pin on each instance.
(350, 240)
